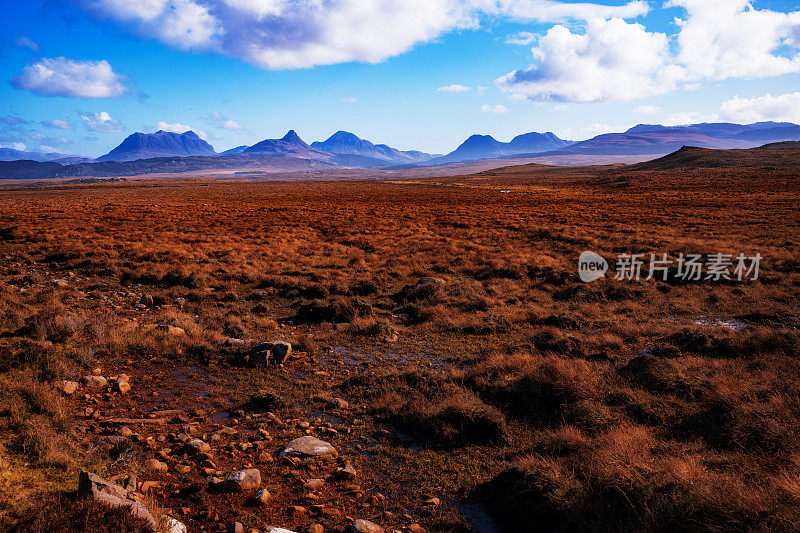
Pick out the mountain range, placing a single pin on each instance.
(183, 152)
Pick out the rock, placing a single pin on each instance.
(97, 371)
(314, 484)
(364, 526)
(199, 445)
(315, 528)
(93, 486)
(309, 446)
(175, 526)
(262, 496)
(338, 403)
(155, 464)
(433, 501)
(347, 473)
(416, 528)
(121, 387)
(65, 386)
(147, 300)
(94, 382)
(173, 331)
(243, 480)
(236, 527)
(123, 378)
(279, 530)
(265, 353)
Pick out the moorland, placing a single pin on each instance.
(443, 346)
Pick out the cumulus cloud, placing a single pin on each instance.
(454, 88)
(58, 124)
(62, 76)
(27, 42)
(494, 109)
(44, 139)
(101, 122)
(611, 60)
(180, 128)
(281, 34)
(722, 39)
(14, 146)
(785, 107)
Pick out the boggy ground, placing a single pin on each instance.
(481, 377)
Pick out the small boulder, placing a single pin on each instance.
(347, 473)
(338, 403)
(93, 486)
(364, 526)
(94, 382)
(236, 527)
(198, 446)
(65, 386)
(314, 484)
(121, 387)
(309, 446)
(262, 496)
(175, 526)
(155, 464)
(243, 480)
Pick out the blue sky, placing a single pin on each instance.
(79, 76)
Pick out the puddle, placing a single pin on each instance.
(734, 325)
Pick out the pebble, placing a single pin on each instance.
(243, 480)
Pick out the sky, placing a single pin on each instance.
(78, 76)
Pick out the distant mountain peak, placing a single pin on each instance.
(292, 137)
(162, 143)
(344, 143)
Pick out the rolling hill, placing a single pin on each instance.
(159, 144)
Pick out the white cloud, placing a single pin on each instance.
(281, 34)
(58, 124)
(612, 60)
(102, 122)
(53, 150)
(785, 107)
(218, 120)
(27, 42)
(722, 39)
(181, 128)
(454, 88)
(592, 130)
(522, 38)
(495, 109)
(72, 78)
(647, 110)
(347, 100)
(14, 146)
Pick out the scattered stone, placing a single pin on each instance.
(175, 526)
(296, 510)
(266, 353)
(199, 445)
(416, 528)
(315, 528)
(67, 387)
(279, 530)
(236, 527)
(364, 526)
(433, 501)
(314, 484)
(338, 403)
(309, 446)
(146, 300)
(155, 464)
(243, 480)
(262, 496)
(346, 473)
(94, 382)
(121, 387)
(93, 486)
